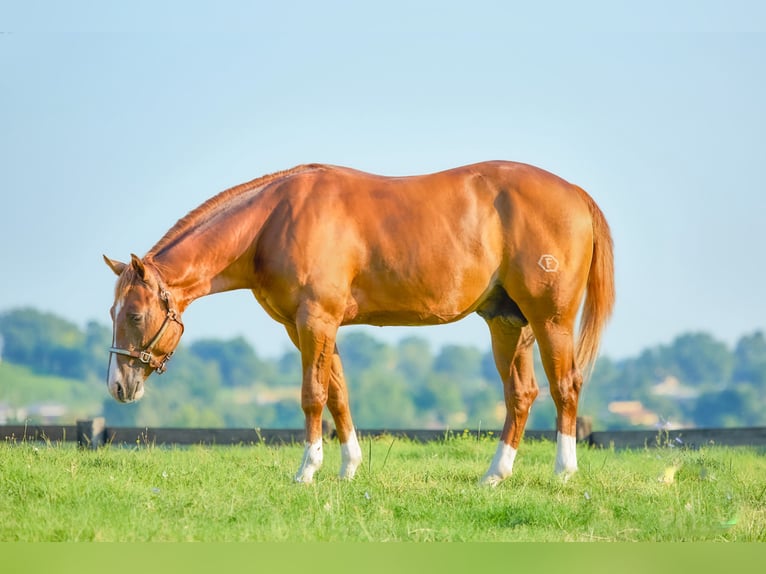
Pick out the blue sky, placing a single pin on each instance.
(116, 119)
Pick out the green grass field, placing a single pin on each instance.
(403, 492)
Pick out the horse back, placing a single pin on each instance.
(417, 249)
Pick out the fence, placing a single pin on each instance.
(95, 433)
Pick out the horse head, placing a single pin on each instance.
(146, 328)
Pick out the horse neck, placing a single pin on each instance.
(211, 259)
(213, 251)
(186, 279)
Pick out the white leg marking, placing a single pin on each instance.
(312, 461)
(350, 456)
(501, 465)
(566, 455)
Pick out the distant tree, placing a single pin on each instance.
(43, 342)
(237, 361)
(382, 399)
(451, 410)
(698, 359)
(214, 382)
(485, 406)
(414, 359)
(360, 351)
(715, 409)
(282, 414)
(638, 374)
(97, 340)
(188, 394)
(750, 360)
(488, 369)
(460, 362)
(288, 370)
(121, 415)
(605, 385)
(194, 378)
(543, 414)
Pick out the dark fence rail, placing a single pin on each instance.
(95, 433)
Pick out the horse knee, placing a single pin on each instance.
(567, 388)
(523, 398)
(577, 380)
(312, 405)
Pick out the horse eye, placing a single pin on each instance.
(135, 317)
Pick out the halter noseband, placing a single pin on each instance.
(146, 356)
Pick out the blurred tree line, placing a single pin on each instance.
(694, 381)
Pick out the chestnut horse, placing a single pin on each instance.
(323, 246)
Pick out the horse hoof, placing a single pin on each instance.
(490, 481)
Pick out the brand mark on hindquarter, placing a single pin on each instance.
(548, 263)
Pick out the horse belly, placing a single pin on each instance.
(431, 297)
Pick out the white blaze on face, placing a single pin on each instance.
(113, 373)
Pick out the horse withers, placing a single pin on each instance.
(322, 246)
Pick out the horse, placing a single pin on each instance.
(323, 246)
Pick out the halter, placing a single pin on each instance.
(146, 356)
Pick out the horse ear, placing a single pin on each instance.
(138, 265)
(117, 266)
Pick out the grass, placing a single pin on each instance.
(404, 491)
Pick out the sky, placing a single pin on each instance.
(118, 118)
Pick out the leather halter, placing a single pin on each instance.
(146, 356)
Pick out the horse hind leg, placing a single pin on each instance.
(556, 343)
(512, 343)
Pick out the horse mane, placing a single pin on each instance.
(194, 217)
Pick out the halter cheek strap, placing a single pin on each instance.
(145, 355)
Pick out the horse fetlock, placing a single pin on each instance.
(566, 455)
(312, 462)
(501, 466)
(348, 469)
(350, 456)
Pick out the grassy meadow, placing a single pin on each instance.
(404, 491)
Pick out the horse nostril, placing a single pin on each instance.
(120, 393)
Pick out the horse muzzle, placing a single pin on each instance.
(125, 385)
(126, 393)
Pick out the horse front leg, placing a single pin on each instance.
(338, 405)
(316, 339)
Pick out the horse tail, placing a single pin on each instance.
(600, 295)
